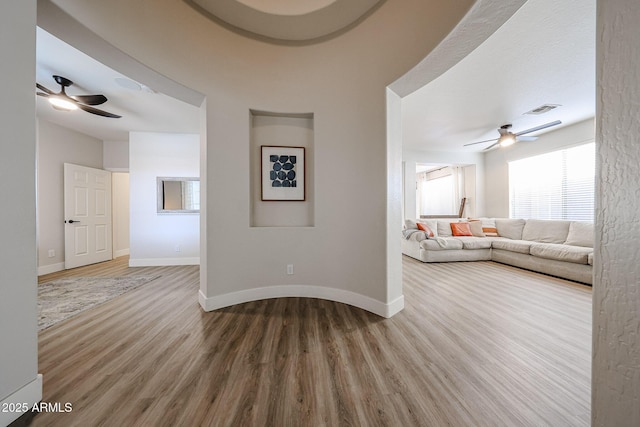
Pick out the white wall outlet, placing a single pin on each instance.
(178, 248)
(52, 253)
(289, 268)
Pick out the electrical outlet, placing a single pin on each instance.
(289, 268)
(52, 253)
(178, 248)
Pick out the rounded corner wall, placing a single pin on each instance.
(343, 242)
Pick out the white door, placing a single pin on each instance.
(87, 214)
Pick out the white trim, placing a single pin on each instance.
(160, 262)
(394, 307)
(120, 252)
(121, 170)
(282, 291)
(31, 394)
(51, 268)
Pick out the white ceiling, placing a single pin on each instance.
(142, 110)
(544, 54)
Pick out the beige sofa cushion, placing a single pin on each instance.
(580, 234)
(560, 252)
(433, 245)
(476, 228)
(520, 246)
(417, 236)
(590, 259)
(410, 224)
(546, 231)
(510, 228)
(469, 242)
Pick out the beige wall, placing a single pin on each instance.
(161, 239)
(120, 208)
(616, 298)
(19, 382)
(496, 162)
(116, 156)
(58, 145)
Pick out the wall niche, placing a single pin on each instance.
(282, 130)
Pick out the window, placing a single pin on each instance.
(439, 190)
(436, 196)
(556, 185)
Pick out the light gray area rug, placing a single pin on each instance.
(63, 298)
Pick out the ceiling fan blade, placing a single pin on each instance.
(44, 89)
(98, 112)
(46, 95)
(480, 142)
(527, 138)
(547, 125)
(90, 99)
(491, 146)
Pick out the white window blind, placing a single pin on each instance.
(556, 185)
(437, 196)
(191, 195)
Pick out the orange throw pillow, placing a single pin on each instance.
(490, 231)
(426, 229)
(461, 229)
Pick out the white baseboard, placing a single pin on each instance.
(332, 294)
(52, 268)
(160, 262)
(120, 252)
(30, 394)
(394, 307)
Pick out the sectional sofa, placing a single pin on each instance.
(558, 248)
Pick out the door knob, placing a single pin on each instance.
(72, 221)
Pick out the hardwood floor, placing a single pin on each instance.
(478, 344)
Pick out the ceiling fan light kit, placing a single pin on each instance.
(63, 102)
(507, 137)
(60, 103)
(507, 140)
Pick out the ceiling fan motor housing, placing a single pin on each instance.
(62, 81)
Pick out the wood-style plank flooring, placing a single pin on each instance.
(478, 344)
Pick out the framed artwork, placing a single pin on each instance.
(282, 173)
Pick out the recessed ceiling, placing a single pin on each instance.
(544, 54)
(142, 108)
(287, 7)
(289, 20)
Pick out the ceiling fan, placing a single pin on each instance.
(63, 102)
(507, 137)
